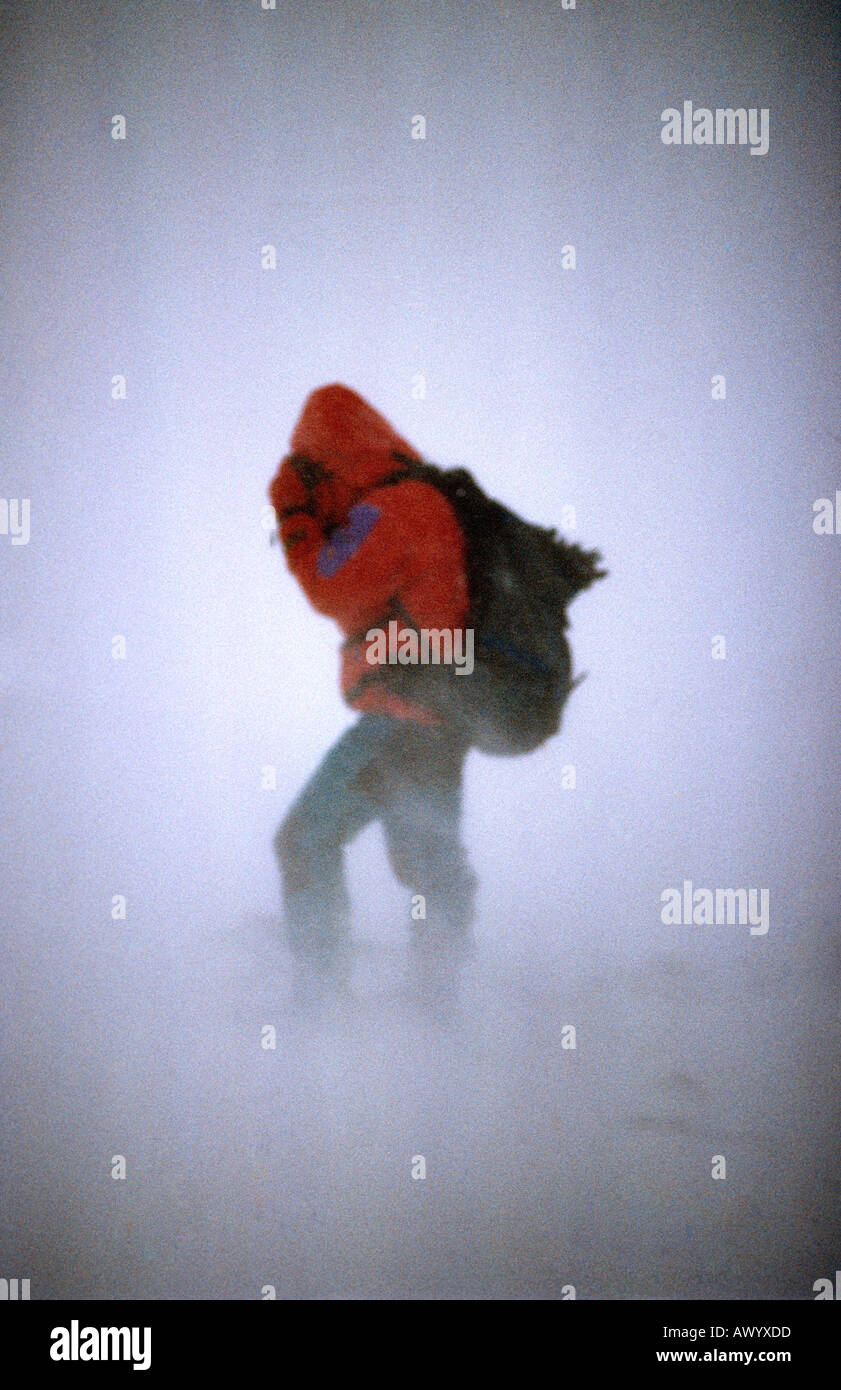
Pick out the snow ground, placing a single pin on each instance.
(546, 1167)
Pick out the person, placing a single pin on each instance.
(371, 547)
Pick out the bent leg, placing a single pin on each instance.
(334, 806)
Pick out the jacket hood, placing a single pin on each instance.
(348, 437)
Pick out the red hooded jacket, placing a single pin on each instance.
(365, 554)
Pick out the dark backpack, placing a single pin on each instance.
(520, 579)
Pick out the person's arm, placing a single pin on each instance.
(342, 569)
(401, 540)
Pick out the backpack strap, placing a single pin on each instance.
(409, 468)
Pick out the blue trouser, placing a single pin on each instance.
(404, 774)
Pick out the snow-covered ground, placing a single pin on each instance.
(546, 1166)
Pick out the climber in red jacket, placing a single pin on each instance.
(372, 549)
